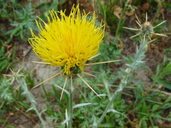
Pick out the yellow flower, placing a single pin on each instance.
(69, 41)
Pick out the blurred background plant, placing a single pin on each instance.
(46, 5)
(24, 20)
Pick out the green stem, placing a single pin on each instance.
(120, 88)
(138, 58)
(23, 84)
(70, 107)
(39, 115)
(151, 121)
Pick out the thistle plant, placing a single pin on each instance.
(146, 31)
(5, 93)
(68, 42)
(23, 84)
(17, 76)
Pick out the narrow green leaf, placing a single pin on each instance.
(101, 7)
(4, 121)
(166, 84)
(43, 6)
(107, 125)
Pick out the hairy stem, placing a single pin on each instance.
(70, 106)
(23, 84)
(138, 60)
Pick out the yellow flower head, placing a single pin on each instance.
(69, 41)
